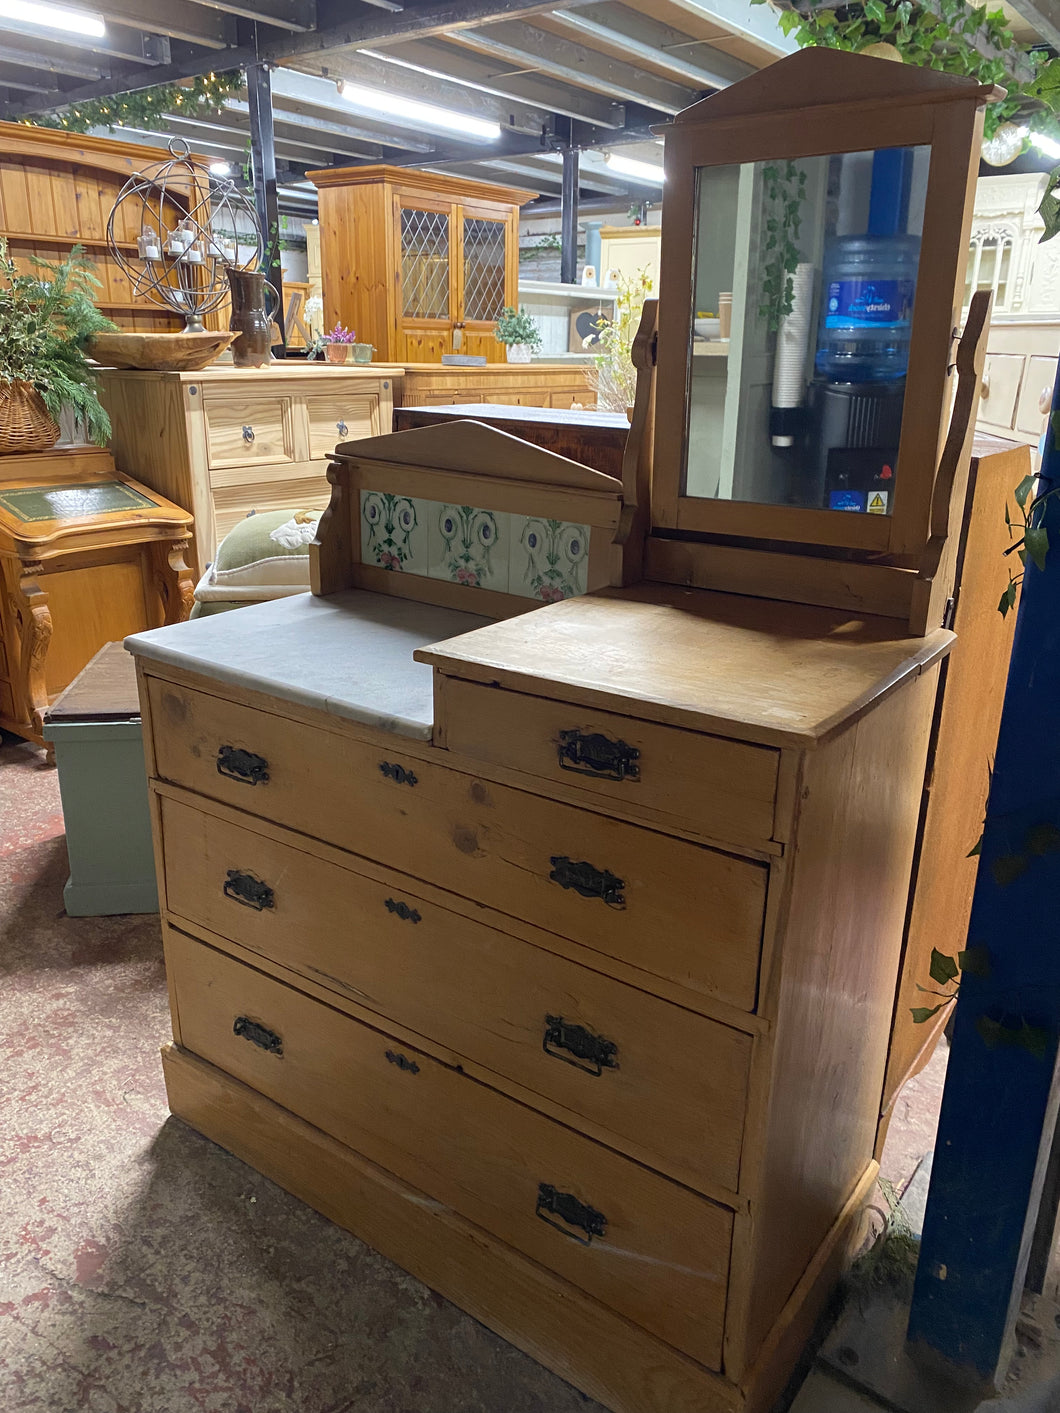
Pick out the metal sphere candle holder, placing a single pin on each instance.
(187, 237)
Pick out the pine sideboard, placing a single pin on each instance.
(226, 441)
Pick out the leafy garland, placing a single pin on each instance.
(145, 107)
(946, 35)
(941, 35)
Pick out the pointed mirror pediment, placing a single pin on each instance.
(823, 77)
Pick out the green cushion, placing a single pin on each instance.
(249, 542)
(265, 556)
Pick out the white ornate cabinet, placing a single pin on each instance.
(1006, 257)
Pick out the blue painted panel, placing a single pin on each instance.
(997, 1098)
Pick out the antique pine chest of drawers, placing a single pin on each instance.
(583, 926)
(556, 956)
(226, 441)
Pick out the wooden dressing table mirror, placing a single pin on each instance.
(534, 891)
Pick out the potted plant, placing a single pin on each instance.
(519, 334)
(46, 320)
(612, 345)
(339, 344)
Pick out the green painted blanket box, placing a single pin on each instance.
(94, 728)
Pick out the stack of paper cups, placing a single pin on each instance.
(725, 314)
(793, 336)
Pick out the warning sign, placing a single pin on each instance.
(877, 502)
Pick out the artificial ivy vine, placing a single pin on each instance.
(145, 107)
(785, 190)
(951, 37)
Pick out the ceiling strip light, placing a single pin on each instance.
(31, 12)
(629, 167)
(374, 100)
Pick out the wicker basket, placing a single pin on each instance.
(25, 423)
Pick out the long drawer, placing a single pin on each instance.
(669, 1081)
(721, 788)
(677, 909)
(642, 1245)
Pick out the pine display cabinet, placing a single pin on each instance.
(418, 263)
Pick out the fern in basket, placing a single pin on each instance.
(46, 321)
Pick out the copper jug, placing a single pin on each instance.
(250, 317)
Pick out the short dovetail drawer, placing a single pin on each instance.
(723, 789)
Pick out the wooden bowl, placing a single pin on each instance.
(164, 353)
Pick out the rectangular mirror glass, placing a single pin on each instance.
(804, 277)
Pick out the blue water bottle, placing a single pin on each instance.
(869, 284)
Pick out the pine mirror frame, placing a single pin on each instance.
(870, 103)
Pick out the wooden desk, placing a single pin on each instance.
(85, 558)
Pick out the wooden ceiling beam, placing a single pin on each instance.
(297, 16)
(623, 33)
(538, 51)
(120, 42)
(380, 71)
(452, 60)
(179, 19)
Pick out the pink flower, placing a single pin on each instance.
(467, 576)
(548, 593)
(388, 560)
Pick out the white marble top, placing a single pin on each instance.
(349, 654)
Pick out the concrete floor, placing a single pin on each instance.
(145, 1270)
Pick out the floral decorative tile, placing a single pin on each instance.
(394, 532)
(549, 558)
(467, 546)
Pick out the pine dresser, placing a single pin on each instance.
(554, 955)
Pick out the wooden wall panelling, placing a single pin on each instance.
(57, 189)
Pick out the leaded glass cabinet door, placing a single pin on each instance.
(486, 262)
(427, 296)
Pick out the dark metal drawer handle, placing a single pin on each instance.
(250, 891)
(585, 1051)
(397, 772)
(258, 1035)
(553, 1203)
(590, 753)
(403, 1062)
(241, 765)
(341, 428)
(248, 435)
(587, 880)
(403, 910)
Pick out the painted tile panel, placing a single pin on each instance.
(549, 559)
(393, 532)
(468, 546)
(533, 557)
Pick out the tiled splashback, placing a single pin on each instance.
(485, 549)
